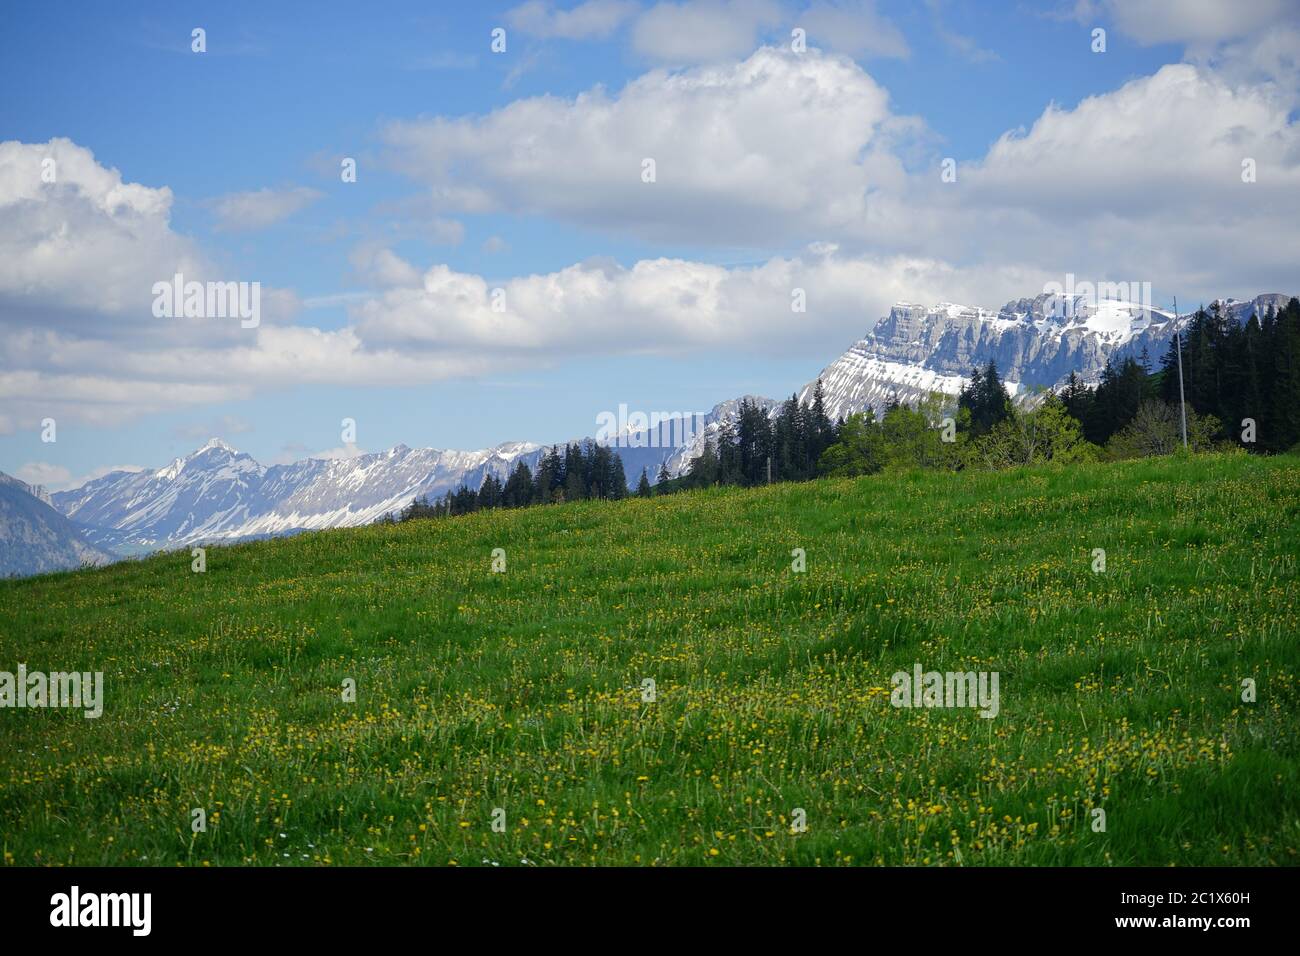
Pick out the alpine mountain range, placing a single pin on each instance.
(218, 494)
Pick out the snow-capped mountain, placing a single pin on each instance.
(34, 537)
(218, 493)
(1035, 342)
(678, 448)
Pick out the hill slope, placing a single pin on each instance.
(35, 538)
(522, 690)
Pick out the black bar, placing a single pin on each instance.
(365, 904)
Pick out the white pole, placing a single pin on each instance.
(1182, 402)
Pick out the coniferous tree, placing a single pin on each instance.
(518, 491)
(1077, 398)
(1122, 390)
(985, 398)
(489, 492)
(704, 469)
(643, 489)
(822, 430)
(548, 478)
(575, 481)
(617, 477)
(1285, 401)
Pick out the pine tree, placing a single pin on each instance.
(704, 469)
(822, 431)
(985, 398)
(551, 475)
(643, 489)
(518, 491)
(1285, 401)
(617, 477)
(1077, 398)
(1122, 390)
(574, 490)
(576, 482)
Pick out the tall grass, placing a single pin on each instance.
(1120, 691)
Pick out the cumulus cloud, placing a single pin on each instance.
(778, 151)
(784, 149)
(80, 255)
(382, 267)
(780, 144)
(1148, 178)
(658, 306)
(86, 241)
(258, 209)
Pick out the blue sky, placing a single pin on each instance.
(286, 89)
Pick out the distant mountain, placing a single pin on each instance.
(219, 494)
(1035, 342)
(34, 537)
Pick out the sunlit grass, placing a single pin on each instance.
(522, 690)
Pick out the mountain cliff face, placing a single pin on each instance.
(1035, 342)
(35, 538)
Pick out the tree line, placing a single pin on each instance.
(1245, 376)
(586, 470)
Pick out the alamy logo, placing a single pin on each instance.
(648, 429)
(210, 300)
(103, 909)
(1070, 296)
(58, 689)
(946, 689)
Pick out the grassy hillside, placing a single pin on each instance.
(522, 690)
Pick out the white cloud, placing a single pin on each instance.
(703, 31)
(779, 151)
(781, 144)
(1145, 181)
(783, 149)
(249, 211)
(854, 27)
(658, 306)
(594, 19)
(86, 242)
(1186, 21)
(44, 474)
(383, 267)
(57, 478)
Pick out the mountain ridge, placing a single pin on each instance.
(35, 537)
(217, 493)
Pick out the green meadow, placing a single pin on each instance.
(509, 717)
